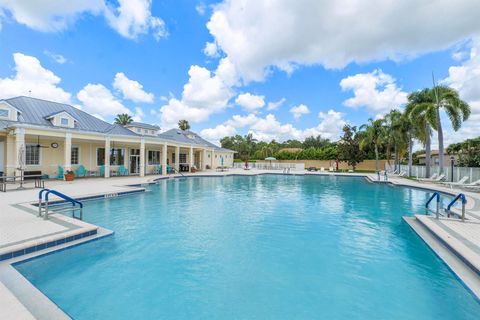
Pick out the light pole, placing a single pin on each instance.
(452, 163)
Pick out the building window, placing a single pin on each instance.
(32, 155)
(173, 158)
(117, 156)
(64, 121)
(183, 158)
(153, 157)
(4, 113)
(75, 158)
(139, 130)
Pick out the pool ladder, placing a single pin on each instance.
(448, 211)
(69, 205)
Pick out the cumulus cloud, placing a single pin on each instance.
(131, 89)
(376, 91)
(97, 99)
(299, 110)
(274, 105)
(250, 102)
(131, 18)
(205, 93)
(256, 35)
(32, 79)
(211, 49)
(465, 78)
(268, 128)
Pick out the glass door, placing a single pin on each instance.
(134, 161)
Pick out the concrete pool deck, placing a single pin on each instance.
(20, 227)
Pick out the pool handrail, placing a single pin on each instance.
(434, 195)
(464, 202)
(60, 195)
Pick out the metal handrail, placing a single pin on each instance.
(434, 195)
(175, 170)
(464, 202)
(60, 195)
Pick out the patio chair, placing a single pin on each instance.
(81, 171)
(475, 185)
(102, 171)
(60, 173)
(460, 182)
(433, 177)
(170, 169)
(437, 179)
(122, 171)
(402, 174)
(157, 169)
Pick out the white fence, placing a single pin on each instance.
(270, 166)
(458, 172)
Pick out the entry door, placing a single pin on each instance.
(134, 161)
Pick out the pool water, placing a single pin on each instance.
(266, 247)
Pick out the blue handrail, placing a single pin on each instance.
(435, 194)
(40, 193)
(63, 196)
(459, 196)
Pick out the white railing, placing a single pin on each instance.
(458, 172)
(270, 166)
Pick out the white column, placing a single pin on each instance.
(177, 158)
(19, 144)
(107, 157)
(191, 159)
(67, 159)
(142, 158)
(213, 158)
(164, 160)
(204, 159)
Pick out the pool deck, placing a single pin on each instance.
(21, 229)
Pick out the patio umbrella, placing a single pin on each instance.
(221, 161)
(270, 159)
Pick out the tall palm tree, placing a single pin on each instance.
(123, 119)
(183, 125)
(456, 109)
(373, 133)
(395, 135)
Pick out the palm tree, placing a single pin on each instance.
(395, 135)
(183, 125)
(123, 119)
(456, 109)
(373, 133)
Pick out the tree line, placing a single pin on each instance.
(390, 137)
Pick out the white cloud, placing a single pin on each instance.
(201, 8)
(465, 78)
(250, 102)
(211, 49)
(376, 91)
(32, 79)
(131, 89)
(299, 110)
(97, 99)
(268, 128)
(256, 35)
(274, 105)
(131, 18)
(138, 115)
(58, 58)
(205, 93)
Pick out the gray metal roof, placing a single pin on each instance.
(35, 111)
(143, 125)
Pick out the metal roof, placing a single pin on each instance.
(35, 111)
(143, 125)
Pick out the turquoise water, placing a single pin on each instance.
(267, 247)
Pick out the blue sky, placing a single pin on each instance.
(323, 65)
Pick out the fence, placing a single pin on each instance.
(458, 172)
(270, 166)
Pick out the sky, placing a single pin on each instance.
(279, 69)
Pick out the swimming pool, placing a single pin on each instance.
(265, 247)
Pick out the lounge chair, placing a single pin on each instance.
(434, 176)
(437, 179)
(60, 173)
(81, 171)
(460, 182)
(475, 185)
(322, 169)
(402, 174)
(331, 169)
(122, 171)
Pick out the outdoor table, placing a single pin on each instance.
(4, 180)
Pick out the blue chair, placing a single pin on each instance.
(122, 171)
(81, 171)
(60, 173)
(170, 169)
(102, 171)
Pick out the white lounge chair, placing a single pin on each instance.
(437, 179)
(322, 169)
(402, 174)
(330, 169)
(473, 186)
(460, 182)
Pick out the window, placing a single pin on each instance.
(32, 155)
(4, 113)
(139, 130)
(153, 157)
(183, 158)
(64, 121)
(75, 158)
(173, 157)
(117, 156)
(146, 131)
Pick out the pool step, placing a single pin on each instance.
(463, 261)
